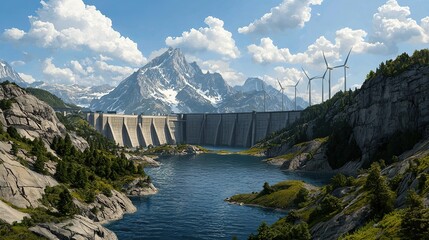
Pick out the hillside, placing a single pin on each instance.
(382, 119)
(379, 134)
(59, 178)
(49, 98)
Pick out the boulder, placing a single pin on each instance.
(140, 187)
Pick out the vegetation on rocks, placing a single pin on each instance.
(283, 195)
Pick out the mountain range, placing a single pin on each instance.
(170, 84)
(167, 84)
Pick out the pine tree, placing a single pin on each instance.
(415, 222)
(382, 198)
(66, 205)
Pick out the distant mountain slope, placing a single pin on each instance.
(49, 98)
(170, 84)
(75, 94)
(7, 73)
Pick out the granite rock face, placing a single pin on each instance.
(9, 214)
(105, 209)
(386, 105)
(78, 228)
(19, 185)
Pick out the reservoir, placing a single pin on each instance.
(190, 203)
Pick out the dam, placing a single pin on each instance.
(212, 129)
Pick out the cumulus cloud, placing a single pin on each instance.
(57, 74)
(71, 24)
(119, 70)
(231, 76)
(346, 38)
(13, 34)
(393, 24)
(213, 38)
(27, 78)
(288, 15)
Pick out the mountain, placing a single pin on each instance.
(7, 73)
(166, 84)
(75, 94)
(170, 84)
(250, 96)
(51, 99)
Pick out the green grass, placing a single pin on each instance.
(387, 228)
(253, 151)
(283, 196)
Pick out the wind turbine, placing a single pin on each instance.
(282, 89)
(309, 85)
(345, 69)
(329, 69)
(294, 86)
(263, 89)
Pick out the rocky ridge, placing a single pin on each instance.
(22, 187)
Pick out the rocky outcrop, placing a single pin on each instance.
(140, 187)
(19, 185)
(386, 105)
(79, 227)
(340, 224)
(107, 208)
(145, 160)
(32, 117)
(9, 214)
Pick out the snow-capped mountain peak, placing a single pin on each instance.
(9, 74)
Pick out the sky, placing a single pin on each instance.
(94, 42)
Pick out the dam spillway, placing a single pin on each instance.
(214, 129)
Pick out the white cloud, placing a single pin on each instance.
(213, 38)
(17, 63)
(122, 71)
(71, 24)
(289, 76)
(346, 38)
(392, 25)
(231, 76)
(288, 15)
(13, 34)
(27, 78)
(77, 67)
(156, 53)
(56, 74)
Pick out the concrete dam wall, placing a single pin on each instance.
(137, 130)
(214, 129)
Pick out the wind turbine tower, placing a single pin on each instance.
(345, 69)
(294, 86)
(282, 89)
(329, 69)
(309, 85)
(263, 89)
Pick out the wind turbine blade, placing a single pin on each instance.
(281, 87)
(338, 66)
(323, 77)
(326, 62)
(305, 73)
(297, 82)
(348, 55)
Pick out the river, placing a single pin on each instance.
(190, 203)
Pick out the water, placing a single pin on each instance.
(190, 203)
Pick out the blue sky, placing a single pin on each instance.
(93, 42)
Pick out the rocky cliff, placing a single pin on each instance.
(25, 119)
(384, 118)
